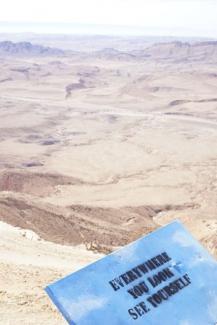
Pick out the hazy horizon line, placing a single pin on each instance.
(67, 28)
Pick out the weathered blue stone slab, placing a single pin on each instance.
(165, 278)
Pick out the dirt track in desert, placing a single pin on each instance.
(100, 143)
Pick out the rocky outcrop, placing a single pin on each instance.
(27, 48)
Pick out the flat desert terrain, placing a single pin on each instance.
(98, 146)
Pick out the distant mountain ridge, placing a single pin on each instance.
(172, 51)
(199, 51)
(27, 48)
(175, 51)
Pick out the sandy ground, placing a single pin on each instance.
(28, 265)
(98, 165)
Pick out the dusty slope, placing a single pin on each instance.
(77, 224)
(27, 265)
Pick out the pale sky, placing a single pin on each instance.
(189, 17)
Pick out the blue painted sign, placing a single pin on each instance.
(165, 278)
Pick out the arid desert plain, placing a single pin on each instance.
(102, 140)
